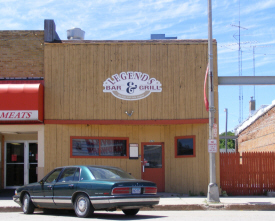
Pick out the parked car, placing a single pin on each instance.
(86, 189)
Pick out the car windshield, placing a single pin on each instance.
(109, 173)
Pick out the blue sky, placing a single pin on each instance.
(186, 19)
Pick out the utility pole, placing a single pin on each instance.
(225, 110)
(213, 190)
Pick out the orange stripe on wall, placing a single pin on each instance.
(129, 122)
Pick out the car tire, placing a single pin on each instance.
(27, 205)
(130, 212)
(82, 206)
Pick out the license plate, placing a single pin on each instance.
(136, 190)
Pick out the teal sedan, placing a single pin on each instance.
(86, 189)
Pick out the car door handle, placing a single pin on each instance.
(50, 187)
(71, 185)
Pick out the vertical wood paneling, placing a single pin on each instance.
(59, 136)
(65, 145)
(58, 76)
(48, 99)
(182, 83)
(165, 85)
(118, 70)
(66, 84)
(83, 82)
(170, 81)
(107, 72)
(112, 70)
(188, 84)
(151, 102)
(77, 83)
(144, 67)
(134, 105)
(74, 76)
(90, 94)
(72, 132)
(124, 67)
(72, 80)
(181, 174)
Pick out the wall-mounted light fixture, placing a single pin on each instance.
(129, 114)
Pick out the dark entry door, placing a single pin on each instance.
(152, 166)
(21, 163)
(15, 159)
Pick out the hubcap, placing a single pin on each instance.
(25, 206)
(82, 205)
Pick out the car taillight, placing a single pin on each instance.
(121, 190)
(150, 190)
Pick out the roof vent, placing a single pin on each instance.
(75, 34)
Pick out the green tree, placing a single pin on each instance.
(230, 142)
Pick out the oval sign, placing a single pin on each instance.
(131, 85)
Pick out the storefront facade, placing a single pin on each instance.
(21, 108)
(137, 105)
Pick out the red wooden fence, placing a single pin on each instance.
(252, 174)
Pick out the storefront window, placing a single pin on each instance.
(185, 146)
(98, 147)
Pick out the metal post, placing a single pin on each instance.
(213, 190)
(225, 129)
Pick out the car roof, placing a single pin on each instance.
(95, 166)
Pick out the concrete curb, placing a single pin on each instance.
(186, 207)
(213, 207)
(10, 209)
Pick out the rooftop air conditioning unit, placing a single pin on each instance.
(75, 34)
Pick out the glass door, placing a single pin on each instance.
(15, 164)
(20, 163)
(33, 160)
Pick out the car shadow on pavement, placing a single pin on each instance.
(6, 194)
(97, 215)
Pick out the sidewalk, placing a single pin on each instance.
(174, 201)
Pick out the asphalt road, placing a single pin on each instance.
(147, 216)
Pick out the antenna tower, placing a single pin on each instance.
(240, 67)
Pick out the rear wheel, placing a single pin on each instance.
(82, 206)
(27, 205)
(130, 212)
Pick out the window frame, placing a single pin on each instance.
(99, 138)
(64, 171)
(194, 146)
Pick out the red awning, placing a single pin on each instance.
(21, 102)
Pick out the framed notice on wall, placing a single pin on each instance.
(133, 151)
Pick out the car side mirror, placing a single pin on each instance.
(41, 182)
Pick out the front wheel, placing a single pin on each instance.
(27, 205)
(82, 206)
(130, 212)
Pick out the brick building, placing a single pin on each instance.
(21, 92)
(21, 54)
(257, 133)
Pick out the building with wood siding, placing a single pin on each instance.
(137, 105)
(76, 107)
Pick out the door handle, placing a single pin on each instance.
(50, 187)
(71, 185)
(143, 168)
